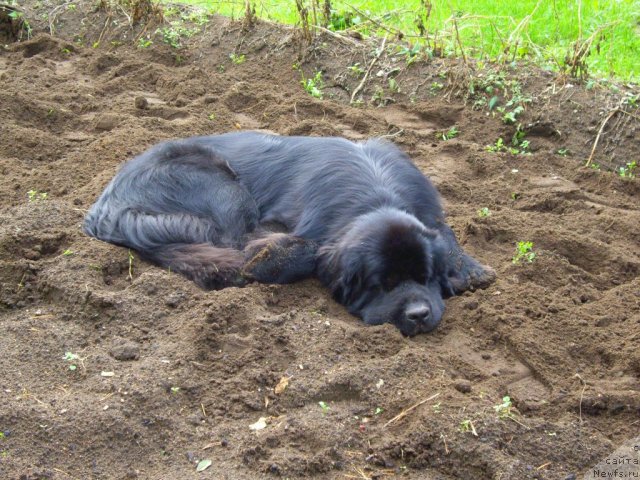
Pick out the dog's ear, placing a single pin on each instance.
(341, 271)
(440, 252)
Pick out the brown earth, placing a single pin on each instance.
(190, 370)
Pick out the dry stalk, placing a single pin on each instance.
(366, 75)
(595, 143)
(404, 413)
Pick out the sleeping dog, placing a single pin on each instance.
(224, 210)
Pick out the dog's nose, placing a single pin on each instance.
(419, 314)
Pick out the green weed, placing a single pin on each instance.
(356, 69)
(36, 196)
(524, 252)
(453, 132)
(324, 406)
(504, 409)
(484, 212)
(314, 85)
(237, 59)
(498, 146)
(343, 19)
(519, 143)
(467, 426)
(144, 42)
(628, 171)
(73, 360)
(175, 33)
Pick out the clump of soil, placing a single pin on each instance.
(114, 368)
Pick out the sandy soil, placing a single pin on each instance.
(167, 375)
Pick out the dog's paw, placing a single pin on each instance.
(481, 277)
(279, 259)
(471, 275)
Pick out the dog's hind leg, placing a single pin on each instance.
(280, 258)
(180, 242)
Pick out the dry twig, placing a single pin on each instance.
(404, 413)
(366, 75)
(595, 143)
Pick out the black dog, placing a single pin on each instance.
(359, 216)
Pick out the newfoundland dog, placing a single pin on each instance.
(224, 210)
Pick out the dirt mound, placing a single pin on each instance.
(113, 368)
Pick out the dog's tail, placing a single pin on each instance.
(180, 242)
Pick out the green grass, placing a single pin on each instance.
(489, 27)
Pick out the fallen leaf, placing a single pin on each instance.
(282, 385)
(203, 465)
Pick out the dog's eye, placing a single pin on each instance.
(390, 282)
(421, 278)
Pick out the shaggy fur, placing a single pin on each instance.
(227, 209)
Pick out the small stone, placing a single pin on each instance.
(107, 122)
(462, 385)
(125, 350)
(174, 300)
(141, 103)
(471, 305)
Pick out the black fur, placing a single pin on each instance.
(359, 216)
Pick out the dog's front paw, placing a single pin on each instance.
(279, 259)
(471, 275)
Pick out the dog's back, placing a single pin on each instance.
(316, 185)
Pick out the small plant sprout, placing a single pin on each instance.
(35, 195)
(314, 85)
(467, 426)
(237, 59)
(324, 406)
(356, 69)
(67, 252)
(144, 42)
(484, 212)
(524, 251)
(378, 411)
(519, 143)
(211, 116)
(73, 359)
(563, 152)
(175, 389)
(510, 117)
(628, 171)
(437, 407)
(453, 132)
(504, 409)
(498, 146)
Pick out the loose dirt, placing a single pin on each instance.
(114, 368)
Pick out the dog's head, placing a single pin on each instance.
(388, 267)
